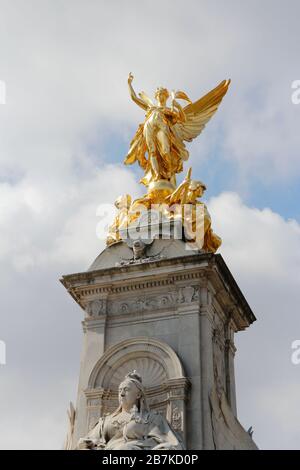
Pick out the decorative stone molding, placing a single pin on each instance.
(94, 323)
(83, 286)
(156, 301)
(176, 420)
(134, 285)
(117, 355)
(96, 307)
(204, 268)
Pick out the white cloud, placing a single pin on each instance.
(262, 251)
(259, 241)
(41, 226)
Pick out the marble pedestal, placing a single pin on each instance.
(171, 315)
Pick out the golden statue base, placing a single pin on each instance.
(159, 190)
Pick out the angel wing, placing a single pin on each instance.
(199, 113)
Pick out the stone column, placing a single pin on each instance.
(94, 326)
(206, 358)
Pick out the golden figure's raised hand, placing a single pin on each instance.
(130, 78)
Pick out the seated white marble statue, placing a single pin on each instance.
(132, 426)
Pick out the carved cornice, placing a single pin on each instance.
(209, 271)
(80, 293)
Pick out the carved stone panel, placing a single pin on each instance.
(96, 308)
(150, 302)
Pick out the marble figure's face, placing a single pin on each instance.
(128, 395)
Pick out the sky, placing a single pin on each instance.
(65, 128)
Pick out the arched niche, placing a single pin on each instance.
(162, 373)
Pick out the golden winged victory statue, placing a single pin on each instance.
(159, 148)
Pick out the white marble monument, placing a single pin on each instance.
(171, 314)
(161, 302)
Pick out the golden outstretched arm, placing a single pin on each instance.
(139, 101)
